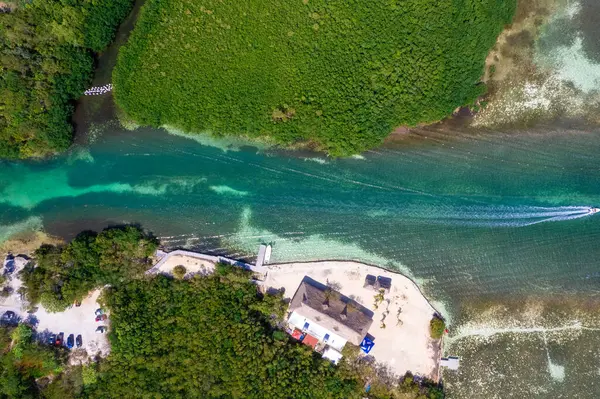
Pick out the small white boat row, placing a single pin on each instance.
(96, 91)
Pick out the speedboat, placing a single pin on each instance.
(593, 210)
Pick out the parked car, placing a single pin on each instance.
(70, 341)
(9, 267)
(9, 316)
(101, 329)
(52, 339)
(79, 341)
(101, 317)
(60, 339)
(99, 311)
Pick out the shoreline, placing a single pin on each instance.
(209, 257)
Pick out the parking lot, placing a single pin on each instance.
(77, 320)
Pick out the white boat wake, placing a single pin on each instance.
(515, 216)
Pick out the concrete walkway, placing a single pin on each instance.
(209, 258)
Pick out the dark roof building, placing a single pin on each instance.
(331, 310)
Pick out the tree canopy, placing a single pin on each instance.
(65, 274)
(46, 58)
(340, 74)
(208, 337)
(23, 360)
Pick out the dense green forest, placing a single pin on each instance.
(212, 336)
(29, 368)
(46, 57)
(23, 360)
(338, 74)
(62, 275)
(209, 337)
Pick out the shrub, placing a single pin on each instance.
(89, 374)
(437, 326)
(421, 388)
(179, 272)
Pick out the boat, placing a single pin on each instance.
(593, 210)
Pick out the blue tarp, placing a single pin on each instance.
(366, 345)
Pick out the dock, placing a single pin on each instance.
(451, 362)
(264, 255)
(163, 256)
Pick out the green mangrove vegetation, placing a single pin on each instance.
(437, 327)
(31, 369)
(46, 61)
(62, 275)
(337, 74)
(209, 337)
(23, 360)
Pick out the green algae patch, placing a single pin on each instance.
(337, 74)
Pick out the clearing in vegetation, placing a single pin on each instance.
(338, 74)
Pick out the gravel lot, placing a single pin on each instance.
(75, 320)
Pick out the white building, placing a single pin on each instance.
(327, 317)
(452, 362)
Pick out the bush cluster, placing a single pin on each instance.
(65, 274)
(437, 327)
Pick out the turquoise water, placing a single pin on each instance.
(478, 218)
(488, 212)
(494, 225)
